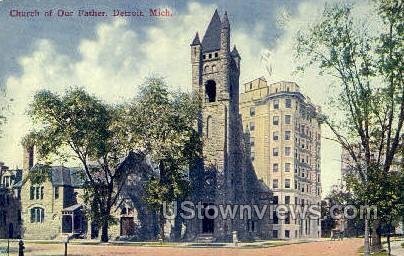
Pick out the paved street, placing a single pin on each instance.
(348, 247)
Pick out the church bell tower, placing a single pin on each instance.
(215, 77)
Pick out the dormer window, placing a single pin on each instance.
(210, 55)
(216, 54)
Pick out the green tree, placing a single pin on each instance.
(164, 122)
(79, 126)
(368, 67)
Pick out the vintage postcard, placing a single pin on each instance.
(203, 127)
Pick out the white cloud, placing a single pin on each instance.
(311, 83)
(113, 64)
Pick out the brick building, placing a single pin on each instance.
(10, 206)
(285, 148)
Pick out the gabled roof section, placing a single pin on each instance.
(211, 39)
(63, 176)
(234, 52)
(196, 40)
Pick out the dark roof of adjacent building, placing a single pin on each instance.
(211, 39)
(63, 176)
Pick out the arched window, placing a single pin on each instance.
(210, 91)
(206, 69)
(214, 68)
(37, 215)
(209, 127)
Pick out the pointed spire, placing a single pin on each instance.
(234, 52)
(196, 40)
(225, 23)
(211, 39)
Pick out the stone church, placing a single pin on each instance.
(225, 176)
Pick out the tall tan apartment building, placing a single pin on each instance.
(285, 149)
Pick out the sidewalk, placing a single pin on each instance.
(396, 248)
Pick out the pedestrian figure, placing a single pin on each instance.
(21, 248)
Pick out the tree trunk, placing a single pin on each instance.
(162, 223)
(388, 242)
(104, 232)
(177, 224)
(376, 238)
(366, 250)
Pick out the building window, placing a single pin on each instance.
(252, 126)
(287, 167)
(209, 127)
(287, 183)
(275, 167)
(275, 218)
(213, 68)
(287, 151)
(288, 103)
(275, 120)
(36, 192)
(252, 155)
(287, 233)
(210, 91)
(252, 142)
(252, 226)
(275, 200)
(275, 183)
(7, 181)
(31, 193)
(296, 185)
(275, 151)
(287, 199)
(287, 135)
(252, 111)
(216, 55)
(276, 104)
(275, 135)
(204, 56)
(56, 192)
(210, 55)
(287, 119)
(37, 215)
(275, 232)
(251, 86)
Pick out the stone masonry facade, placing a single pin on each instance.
(225, 175)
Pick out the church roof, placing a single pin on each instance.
(234, 52)
(211, 39)
(196, 40)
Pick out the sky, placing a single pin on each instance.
(111, 56)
